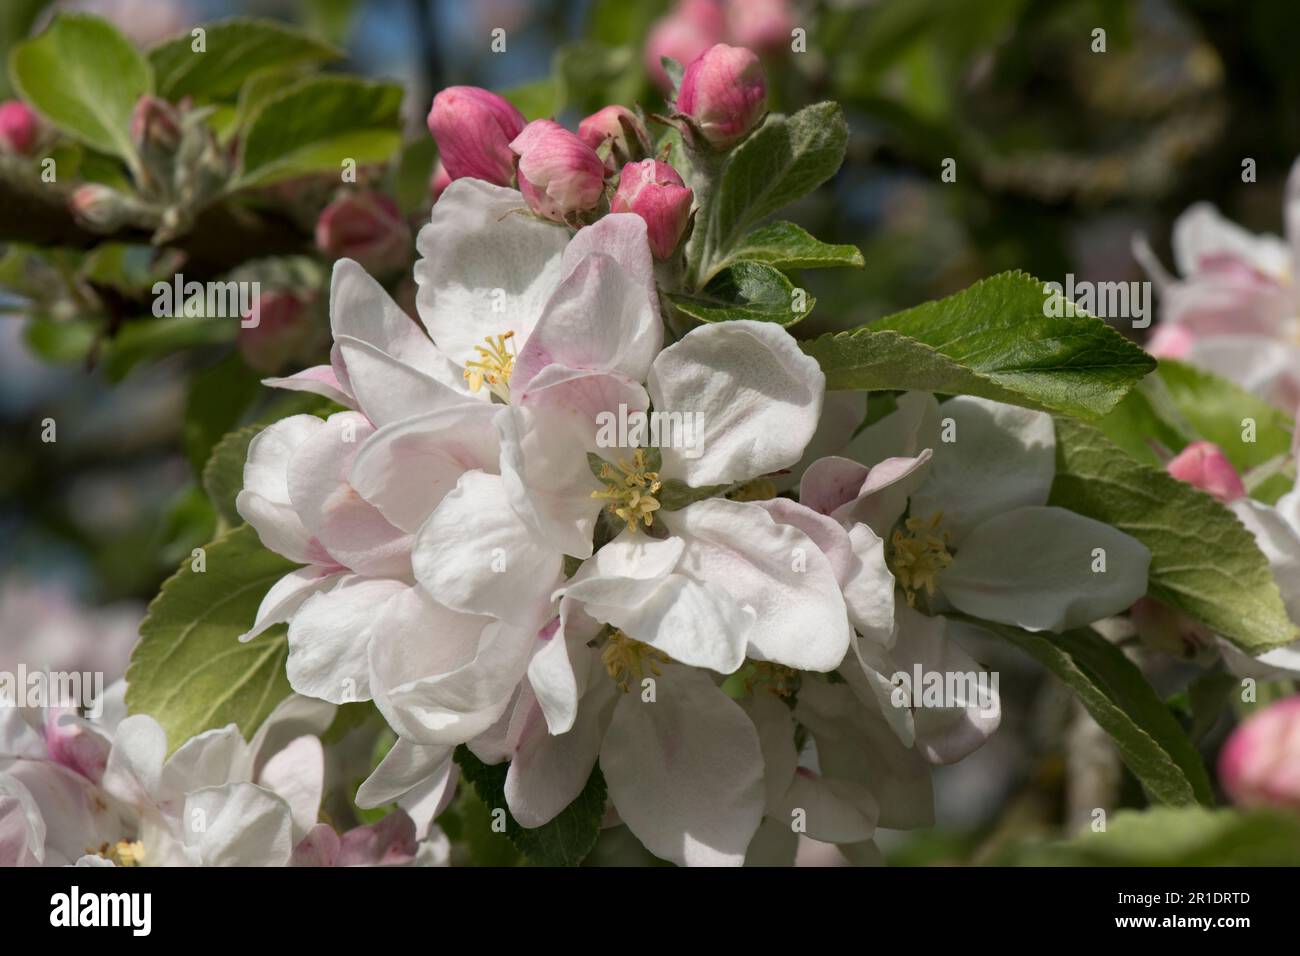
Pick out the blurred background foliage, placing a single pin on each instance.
(1062, 154)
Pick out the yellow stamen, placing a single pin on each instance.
(123, 852)
(493, 367)
(630, 490)
(625, 659)
(920, 554)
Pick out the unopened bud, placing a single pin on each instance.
(367, 227)
(655, 192)
(724, 94)
(473, 128)
(617, 135)
(687, 31)
(155, 125)
(1203, 465)
(1260, 764)
(281, 333)
(19, 128)
(559, 175)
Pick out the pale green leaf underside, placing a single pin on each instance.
(189, 671)
(787, 246)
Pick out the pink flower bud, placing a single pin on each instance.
(724, 94)
(367, 227)
(1260, 763)
(624, 132)
(282, 333)
(155, 124)
(473, 128)
(1171, 340)
(19, 128)
(1203, 465)
(559, 174)
(655, 192)
(761, 25)
(439, 181)
(689, 29)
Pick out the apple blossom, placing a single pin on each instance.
(1204, 465)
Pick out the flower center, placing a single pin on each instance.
(123, 852)
(496, 361)
(775, 678)
(630, 489)
(920, 553)
(626, 659)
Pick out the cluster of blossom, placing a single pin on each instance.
(477, 562)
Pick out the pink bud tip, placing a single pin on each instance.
(724, 93)
(559, 174)
(473, 128)
(19, 128)
(654, 191)
(762, 25)
(1203, 465)
(1260, 763)
(624, 132)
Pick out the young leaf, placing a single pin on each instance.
(223, 475)
(1118, 697)
(566, 840)
(748, 290)
(1203, 560)
(990, 340)
(787, 246)
(84, 77)
(318, 123)
(233, 51)
(189, 671)
(783, 160)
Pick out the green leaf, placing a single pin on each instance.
(217, 399)
(1177, 836)
(1109, 685)
(1203, 560)
(318, 123)
(540, 99)
(233, 51)
(143, 339)
(1143, 417)
(990, 340)
(783, 160)
(188, 671)
(1217, 409)
(84, 77)
(61, 341)
(223, 475)
(747, 290)
(410, 175)
(566, 840)
(787, 246)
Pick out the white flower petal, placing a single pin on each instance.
(685, 771)
(1280, 541)
(775, 572)
(759, 395)
(474, 555)
(319, 380)
(242, 825)
(388, 389)
(264, 501)
(288, 594)
(406, 766)
(296, 774)
(1033, 568)
(329, 638)
(407, 467)
(485, 269)
(1003, 457)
